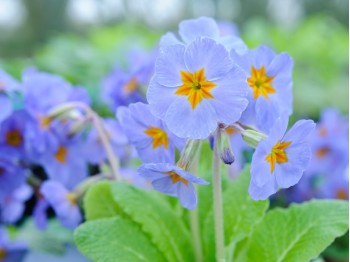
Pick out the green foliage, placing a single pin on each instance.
(299, 233)
(115, 239)
(132, 224)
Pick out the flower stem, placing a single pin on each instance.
(218, 210)
(194, 218)
(96, 121)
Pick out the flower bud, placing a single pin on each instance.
(189, 154)
(252, 137)
(224, 147)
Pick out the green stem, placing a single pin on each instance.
(194, 219)
(218, 210)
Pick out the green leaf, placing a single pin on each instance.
(299, 233)
(99, 202)
(157, 219)
(115, 239)
(241, 214)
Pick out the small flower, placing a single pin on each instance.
(190, 30)
(9, 250)
(150, 136)
(93, 148)
(269, 78)
(12, 206)
(64, 203)
(280, 160)
(195, 87)
(173, 181)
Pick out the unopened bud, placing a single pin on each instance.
(189, 154)
(224, 147)
(252, 137)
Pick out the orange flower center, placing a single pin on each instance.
(261, 83)
(195, 86)
(278, 154)
(2, 254)
(72, 198)
(176, 178)
(45, 121)
(322, 152)
(130, 86)
(159, 137)
(14, 138)
(230, 130)
(342, 194)
(323, 131)
(61, 154)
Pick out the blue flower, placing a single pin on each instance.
(93, 148)
(173, 181)
(150, 136)
(196, 87)
(40, 212)
(11, 251)
(11, 178)
(190, 30)
(280, 160)
(12, 206)
(63, 202)
(269, 78)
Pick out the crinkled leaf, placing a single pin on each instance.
(99, 202)
(115, 239)
(157, 219)
(299, 233)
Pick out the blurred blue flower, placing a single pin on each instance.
(280, 160)
(196, 87)
(192, 29)
(12, 206)
(269, 78)
(150, 136)
(10, 251)
(93, 148)
(40, 212)
(63, 202)
(12, 177)
(173, 181)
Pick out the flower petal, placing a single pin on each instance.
(191, 29)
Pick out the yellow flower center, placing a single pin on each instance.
(45, 121)
(261, 83)
(230, 130)
(342, 194)
(176, 178)
(322, 152)
(14, 138)
(278, 154)
(2, 254)
(72, 198)
(195, 86)
(130, 86)
(61, 154)
(159, 137)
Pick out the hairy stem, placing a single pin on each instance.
(218, 210)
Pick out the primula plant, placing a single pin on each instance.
(184, 171)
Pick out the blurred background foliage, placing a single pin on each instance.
(82, 40)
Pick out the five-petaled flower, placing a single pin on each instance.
(174, 181)
(280, 160)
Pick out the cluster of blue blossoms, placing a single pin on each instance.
(204, 84)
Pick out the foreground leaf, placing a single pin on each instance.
(115, 239)
(299, 233)
(157, 219)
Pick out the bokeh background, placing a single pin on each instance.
(83, 39)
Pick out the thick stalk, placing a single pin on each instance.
(218, 210)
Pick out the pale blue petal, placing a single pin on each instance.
(168, 39)
(262, 193)
(300, 131)
(208, 54)
(191, 29)
(187, 195)
(233, 43)
(6, 107)
(165, 185)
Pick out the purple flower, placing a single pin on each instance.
(269, 78)
(173, 181)
(10, 251)
(67, 164)
(7, 85)
(195, 87)
(122, 88)
(39, 212)
(12, 206)
(280, 160)
(63, 202)
(150, 136)
(95, 152)
(11, 178)
(190, 30)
